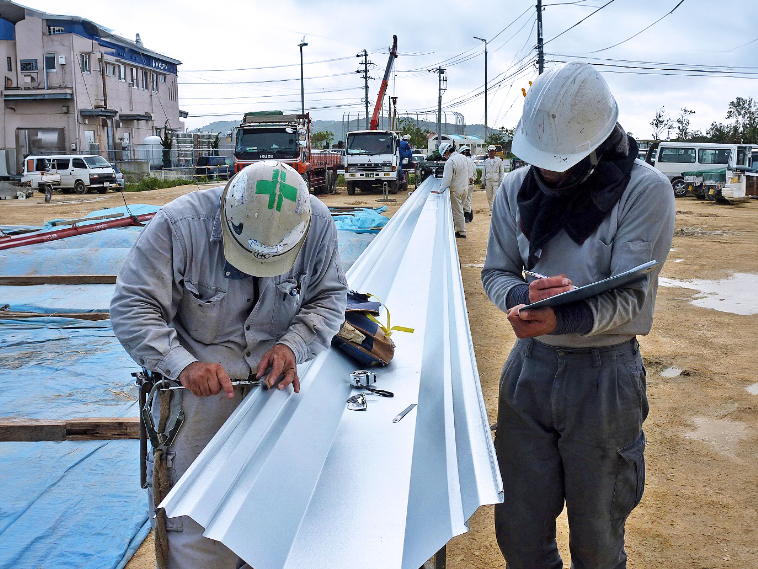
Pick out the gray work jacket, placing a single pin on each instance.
(639, 228)
(176, 303)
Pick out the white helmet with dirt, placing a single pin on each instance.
(406, 137)
(568, 112)
(265, 217)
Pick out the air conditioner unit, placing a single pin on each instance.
(62, 59)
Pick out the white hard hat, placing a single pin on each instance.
(406, 137)
(491, 147)
(463, 149)
(568, 112)
(445, 147)
(265, 217)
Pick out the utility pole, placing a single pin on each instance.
(540, 52)
(301, 45)
(442, 89)
(485, 86)
(365, 63)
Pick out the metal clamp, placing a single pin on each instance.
(365, 379)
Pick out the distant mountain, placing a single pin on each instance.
(340, 128)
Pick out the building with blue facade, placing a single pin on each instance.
(72, 86)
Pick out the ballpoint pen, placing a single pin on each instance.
(535, 275)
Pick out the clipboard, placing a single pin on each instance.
(580, 293)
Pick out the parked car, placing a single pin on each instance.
(38, 174)
(119, 176)
(213, 168)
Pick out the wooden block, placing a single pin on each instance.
(13, 315)
(90, 428)
(28, 280)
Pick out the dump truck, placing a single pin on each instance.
(272, 135)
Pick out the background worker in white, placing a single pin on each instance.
(573, 389)
(492, 174)
(455, 177)
(468, 213)
(228, 286)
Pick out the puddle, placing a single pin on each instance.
(722, 434)
(752, 389)
(735, 294)
(671, 372)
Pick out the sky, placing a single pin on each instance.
(243, 55)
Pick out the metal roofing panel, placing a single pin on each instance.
(298, 480)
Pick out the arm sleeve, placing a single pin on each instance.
(323, 309)
(503, 264)
(147, 297)
(447, 175)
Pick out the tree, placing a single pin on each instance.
(660, 123)
(722, 133)
(215, 143)
(322, 139)
(502, 137)
(745, 115)
(683, 124)
(419, 136)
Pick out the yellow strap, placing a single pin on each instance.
(387, 329)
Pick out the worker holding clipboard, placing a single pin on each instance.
(577, 240)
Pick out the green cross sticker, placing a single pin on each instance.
(285, 191)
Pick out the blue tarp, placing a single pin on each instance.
(76, 504)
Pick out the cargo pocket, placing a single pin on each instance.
(630, 478)
(172, 524)
(202, 308)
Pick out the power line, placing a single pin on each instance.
(260, 68)
(642, 30)
(215, 84)
(265, 96)
(579, 22)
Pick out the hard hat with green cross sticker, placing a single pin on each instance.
(265, 217)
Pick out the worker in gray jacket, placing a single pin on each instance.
(492, 174)
(237, 285)
(468, 212)
(573, 391)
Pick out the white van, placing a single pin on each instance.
(676, 157)
(83, 172)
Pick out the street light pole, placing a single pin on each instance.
(485, 86)
(302, 88)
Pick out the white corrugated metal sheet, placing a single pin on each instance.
(294, 481)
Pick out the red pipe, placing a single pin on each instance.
(21, 240)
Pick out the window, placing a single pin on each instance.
(28, 65)
(61, 163)
(10, 63)
(713, 155)
(79, 163)
(162, 79)
(121, 71)
(133, 75)
(110, 70)
(145, 80)
(154, 82)
(84, 62)
(52, 30)
(50, 62)
(678, 155)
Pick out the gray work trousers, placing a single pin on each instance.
(491, 188)
(457, 199)
(469, 198)
(187, 548)
(569, 429)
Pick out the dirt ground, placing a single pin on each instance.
(700, 508)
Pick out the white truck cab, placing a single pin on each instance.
(371, 160)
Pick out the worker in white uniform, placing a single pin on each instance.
(468, 213)
(455, 177)
(240, 284)
(492, 174)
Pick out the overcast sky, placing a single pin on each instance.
(240, 56)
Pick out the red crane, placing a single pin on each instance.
(374, 124)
